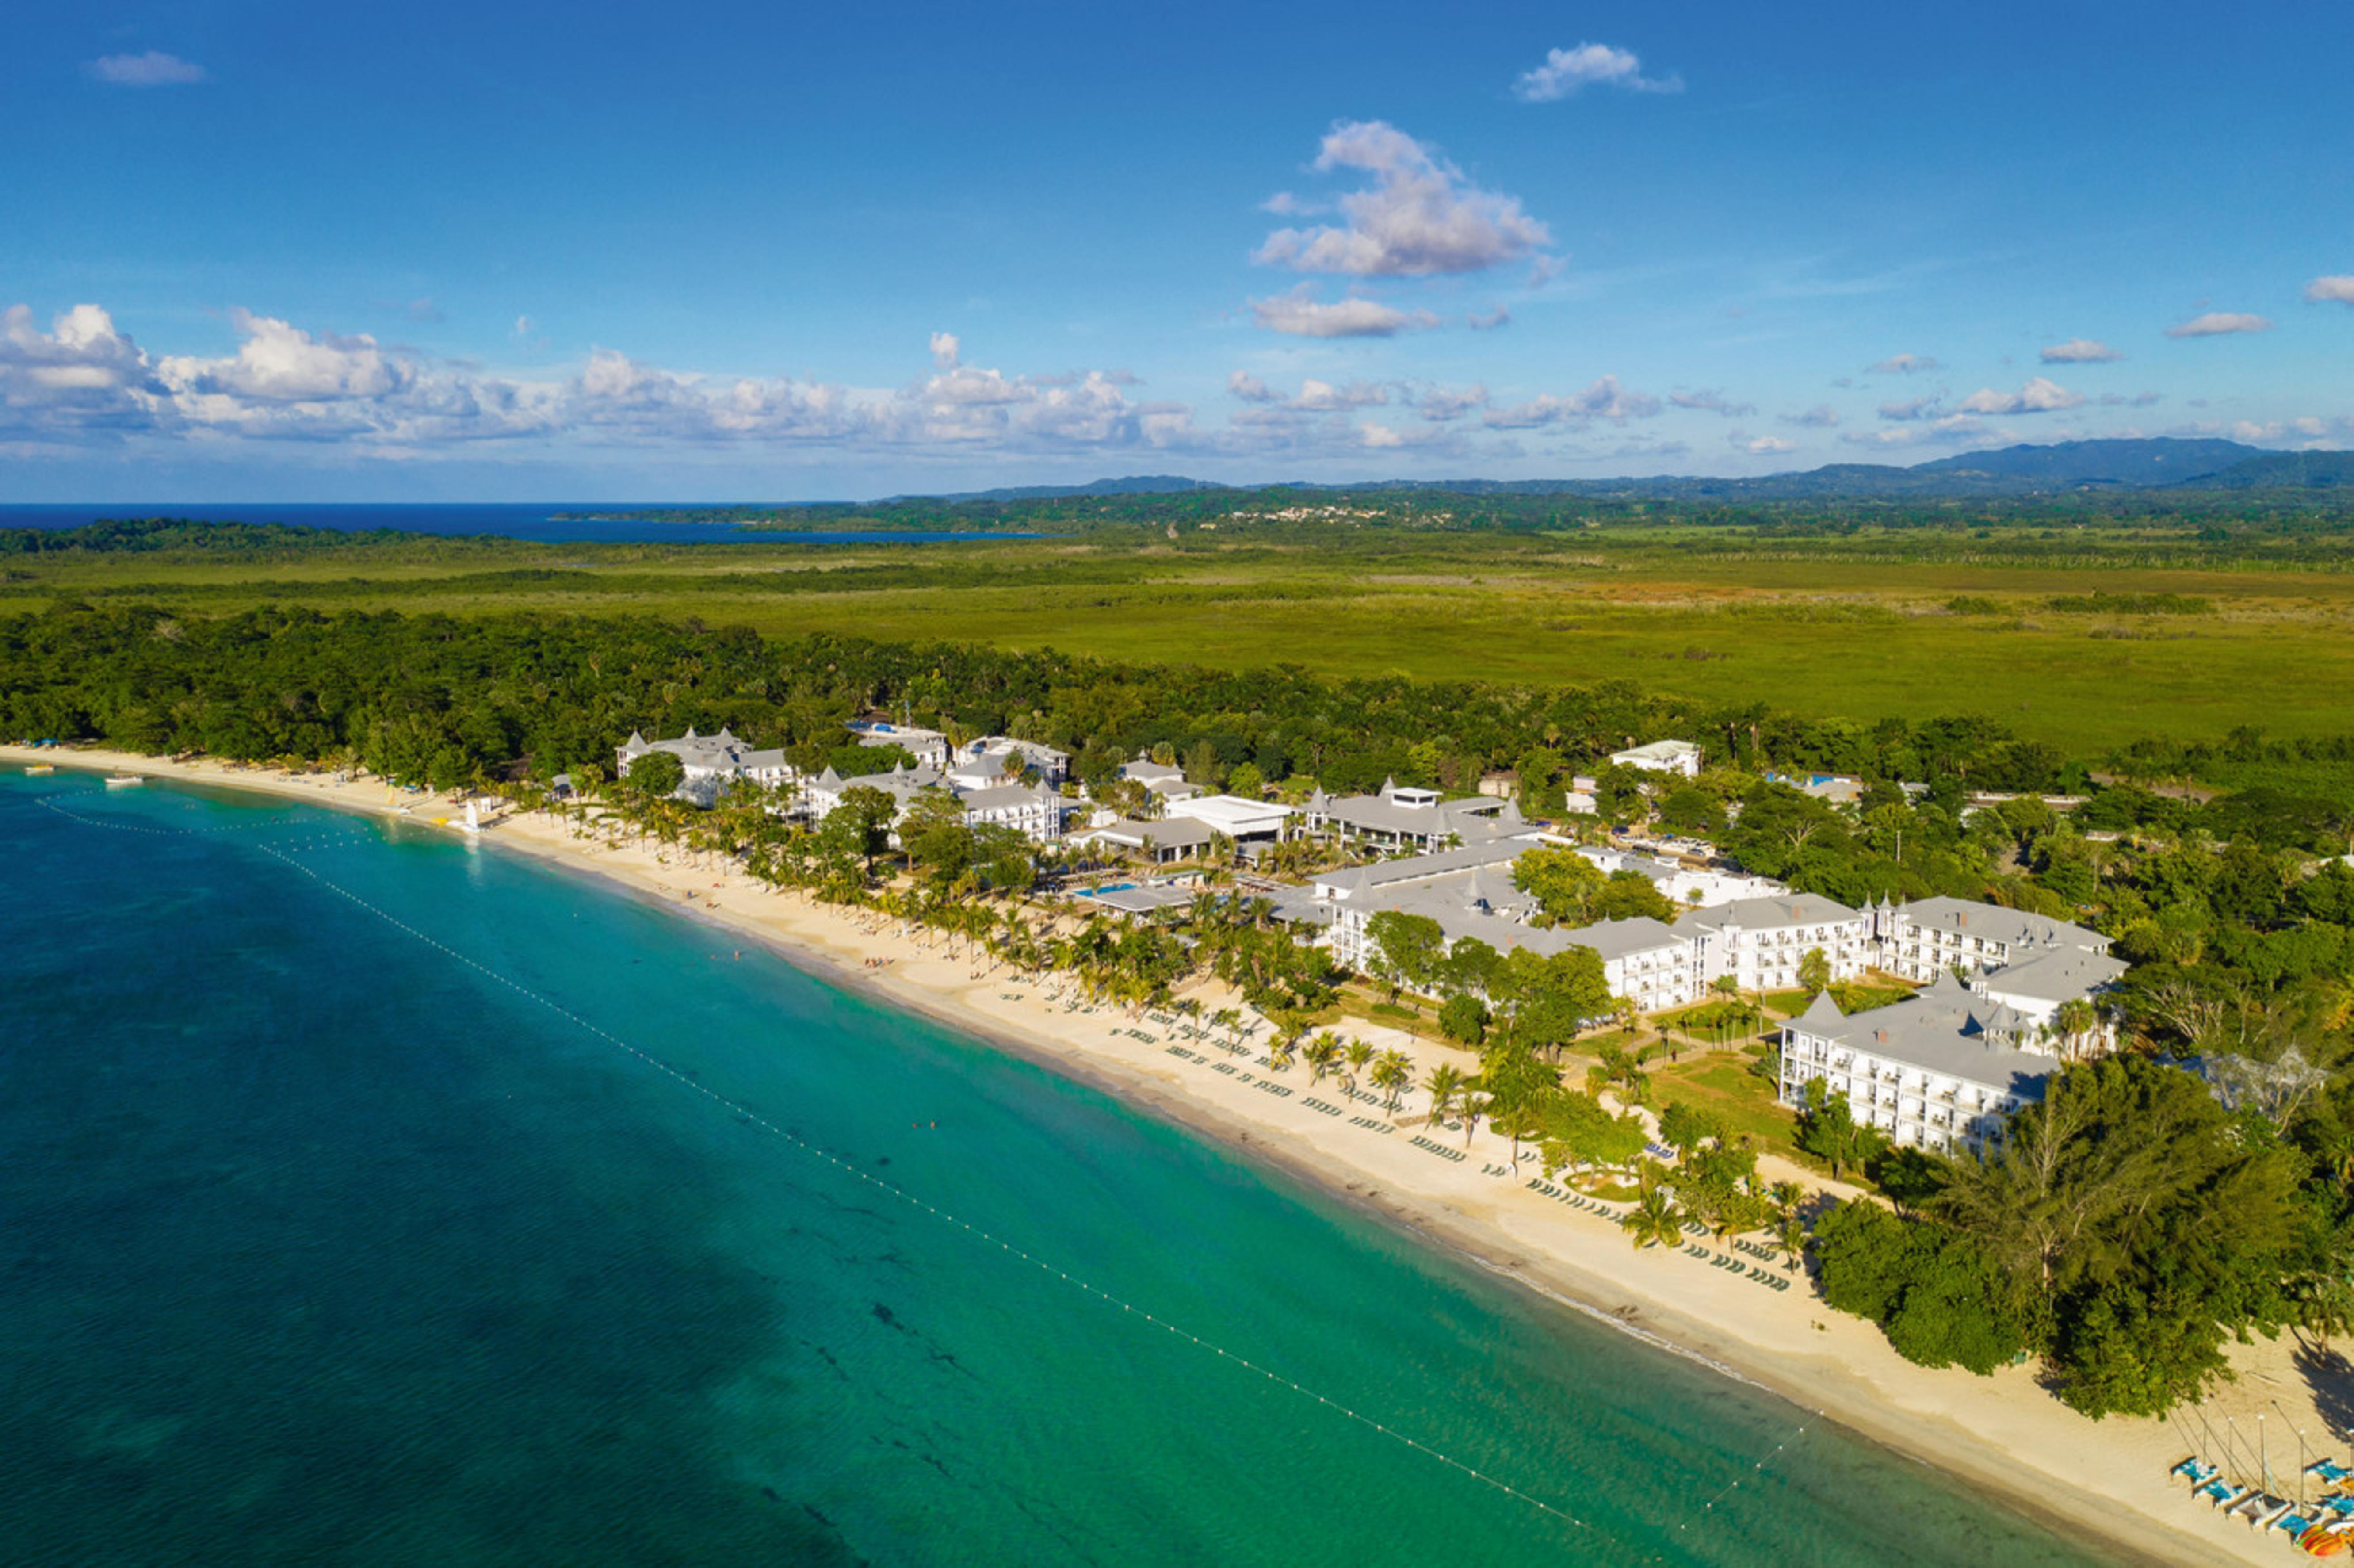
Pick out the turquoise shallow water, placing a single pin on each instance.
(317, 1245)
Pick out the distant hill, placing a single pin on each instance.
(2019, 473)
(1134, 484)
(2135, 464)
(2158, 463)
(2282, 470)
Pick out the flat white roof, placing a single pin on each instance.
(1231, 814)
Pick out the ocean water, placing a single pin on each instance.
(534, 521)
(323, 1242)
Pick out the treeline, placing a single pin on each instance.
(437, 698)
(2134, 1225)
(143, 535)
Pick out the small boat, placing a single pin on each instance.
(38, 768)
(124, 781)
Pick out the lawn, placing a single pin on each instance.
(1721, 1082)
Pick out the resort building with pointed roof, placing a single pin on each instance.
(712, 762)
(1408, 819)
(1760, 942)
(1033, 810)
(1920, 940)
(1940, 1071)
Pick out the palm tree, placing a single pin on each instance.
(1321, 1055)
(1654, 1221)
(1230, 1019)
(1391, 1073)
(1357, 1055)
(1279, 1052)
(1472, 1106)
(2076, 1019)
(1445, 1083)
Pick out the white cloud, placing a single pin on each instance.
(1566, 71)
(1931, 430)
(1904, 365)
(523, 327)
(1420, 216)
(2138, 400)
(153, 68)
(1604, 399)
(1303, 316)
(944, 350)
(83, 382)
(1441, 404)
(1709, 400)
(2038, 397)
(1499, 317)
(423, 310)
(1821, 417)
(81, 377)
(1323, 397)
(1760, 446)
(2338, 290)
(2308, 431)
(280, 363)
(2079, 351)
(2217, 324)
(1907, 408)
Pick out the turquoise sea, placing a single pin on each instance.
(318, 1244)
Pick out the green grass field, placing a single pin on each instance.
(1722, 1082)
(1812, 630)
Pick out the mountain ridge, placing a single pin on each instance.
(2147, 463)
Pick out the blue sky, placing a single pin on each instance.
(261, 251)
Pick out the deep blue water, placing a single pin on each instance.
(319, 1245)
(534, 521)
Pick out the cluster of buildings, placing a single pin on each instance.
(998, 779)
(1939, 1070)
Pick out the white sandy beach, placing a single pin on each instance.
(2003, 1433)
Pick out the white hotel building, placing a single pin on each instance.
(1941, 1071)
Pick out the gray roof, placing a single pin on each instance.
(1768, 914)
(1169, 833)
(720, 753)
(1004, 797)
(1479, 818)
(1943, 1030)
(1619, 938)
(904, 783)
(1993, 922)
(2060, 975)
(1422, 867)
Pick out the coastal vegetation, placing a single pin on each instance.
(2131, 1227)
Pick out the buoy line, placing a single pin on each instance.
(817, 1152)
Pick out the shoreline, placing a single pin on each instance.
(2099, 1483)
